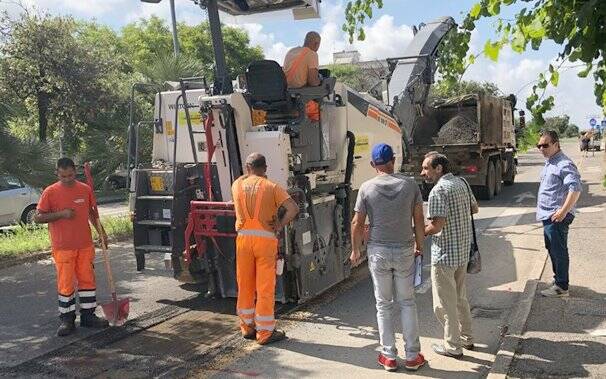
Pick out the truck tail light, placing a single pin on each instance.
(472, 169)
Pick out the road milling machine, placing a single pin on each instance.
(181, 201)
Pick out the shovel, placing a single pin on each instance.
(116, 312)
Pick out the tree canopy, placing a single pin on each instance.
(67, 84)
(578, 26)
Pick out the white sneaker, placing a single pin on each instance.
(554, 291)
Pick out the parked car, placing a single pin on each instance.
(17, 201)
(116, 180)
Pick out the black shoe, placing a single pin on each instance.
(66, 328)
(250, 336)
(440, 349)
(276, 335)
(92, 321)
(468, 346)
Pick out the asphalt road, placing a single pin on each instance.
(176, 335)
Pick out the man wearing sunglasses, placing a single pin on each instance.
(559, 191)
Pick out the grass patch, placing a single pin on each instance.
(32, 239)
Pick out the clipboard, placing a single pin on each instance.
(418, 279)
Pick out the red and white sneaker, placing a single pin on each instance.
(416, 364)
(388, 364)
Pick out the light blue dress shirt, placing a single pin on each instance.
(559, 176)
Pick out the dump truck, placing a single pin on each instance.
(476, 132)
(181, 201)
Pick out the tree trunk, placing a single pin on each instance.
(42, 100)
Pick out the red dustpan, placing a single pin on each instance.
(116, 312)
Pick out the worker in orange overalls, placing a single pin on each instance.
(301, 67)
(67, 208)
(256, 201)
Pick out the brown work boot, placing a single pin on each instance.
(90, 320)
(275, 336)
(66, 328)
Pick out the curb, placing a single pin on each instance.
(511, 341)
(24, 258)
(40, 255)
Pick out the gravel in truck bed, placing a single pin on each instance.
(458, 129)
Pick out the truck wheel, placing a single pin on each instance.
(487, 191)
(511, 174)
(140, 256)
(498, 178)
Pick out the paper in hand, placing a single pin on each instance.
(418, 270)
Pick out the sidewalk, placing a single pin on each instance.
(567, 337)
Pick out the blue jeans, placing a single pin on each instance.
(392, 270)
(556, 243)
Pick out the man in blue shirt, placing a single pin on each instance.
(559, 191)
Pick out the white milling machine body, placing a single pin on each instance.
(321, 164)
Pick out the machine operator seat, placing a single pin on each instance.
(267, 89)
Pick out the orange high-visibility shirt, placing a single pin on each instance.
(74, 233)
(273, 197)
(296, 66)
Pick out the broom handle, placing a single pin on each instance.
(108, 269)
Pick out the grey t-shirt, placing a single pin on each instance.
(389, 201)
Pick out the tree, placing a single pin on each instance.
(45, 64)
(349, 74)
(148, 41)
(27, 160)
(464, 87)
(578, 26)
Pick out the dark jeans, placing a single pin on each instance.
(556, 243)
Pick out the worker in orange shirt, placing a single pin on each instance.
(301, 67)
(256, 201)
(67, 208)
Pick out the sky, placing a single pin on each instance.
(387, 34)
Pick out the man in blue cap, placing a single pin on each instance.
(391, 202)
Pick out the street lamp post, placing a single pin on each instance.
(173, 22)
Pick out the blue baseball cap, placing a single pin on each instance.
(382, 154)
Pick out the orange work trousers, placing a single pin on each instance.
(75, 270)
(256, 274)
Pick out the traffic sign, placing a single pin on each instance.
(593, 122)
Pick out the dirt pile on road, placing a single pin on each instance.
(458, 129)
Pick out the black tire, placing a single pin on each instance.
(487, 190)
(27, 217)
(140, 256)
(498, 178)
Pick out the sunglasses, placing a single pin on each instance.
(543, 145)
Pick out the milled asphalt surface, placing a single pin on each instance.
(175, 335)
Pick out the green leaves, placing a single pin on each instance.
(554, 79)
(475, 10)
(491, 50)
(576, 25)
(356, 13)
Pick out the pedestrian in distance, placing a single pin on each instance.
(392, 202)
(67, 207)
(585, 140)
(450, 205)
(256, 201)
(559, 192)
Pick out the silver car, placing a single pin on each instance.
(17, 201)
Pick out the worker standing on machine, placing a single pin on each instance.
(301, 67)
(256, 201)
